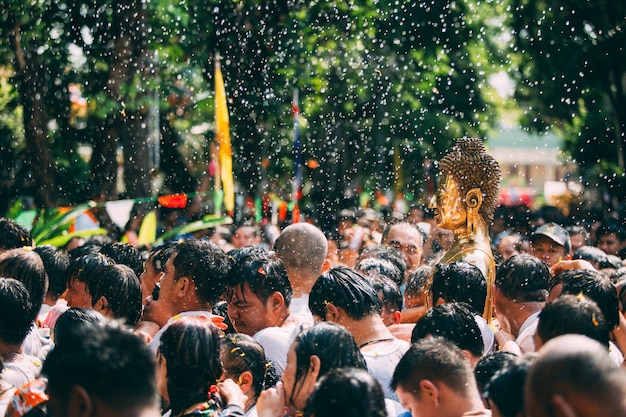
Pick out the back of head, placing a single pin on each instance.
(572, 314)
(191, 347)
(460, 282)
(370, 266)
(119, 290)
(69, 324)
(523, 278)
(303, 248)
(574, 366)
(264, 274)
(347, 392)
(453, 322)
(26, 266)
(592, 254)
(13, 235)
(489, 365)
(82, 268)
(594, 285)
(206, 264)
(15, 311)
(388, 292)
(347, 289)
(388, 253)
(417, 284)
(437, 360)
(55, 262)
(125, 254)
(331, 343)
(506, 388)
(110, 364)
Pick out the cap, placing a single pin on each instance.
(555, 232)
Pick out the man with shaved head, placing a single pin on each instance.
(573, 375)
(302, 247)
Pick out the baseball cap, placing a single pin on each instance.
(554, 232)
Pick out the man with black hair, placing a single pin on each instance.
(259, 294)
(434, 378)
(13, 235)
(104, 371)
(342, 295)
(610, 237)
(550, 243)
(55, 262)
(521, 289)
(124, 254)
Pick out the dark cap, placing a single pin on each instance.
(555, 232)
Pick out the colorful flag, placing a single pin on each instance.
(222, 134)
(296, 184)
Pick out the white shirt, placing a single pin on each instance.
(526, 332)
(381, 359)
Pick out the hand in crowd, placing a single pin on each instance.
(271, 402)
(231, 392)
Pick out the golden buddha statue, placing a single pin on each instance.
(465, 202)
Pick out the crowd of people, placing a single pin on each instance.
(362, 319)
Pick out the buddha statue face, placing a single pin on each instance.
(450, 213)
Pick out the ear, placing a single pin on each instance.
(79, 403)
(183, 286)
(326, 265)
(561, 407)
(102, 305)
(429, 391)
(276, 301)
(396, 317)
(332, 313)
(245, 381)
(314, 366)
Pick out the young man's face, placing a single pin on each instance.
(247, 312)
(77, 295)
(547, 250)
(610, 244)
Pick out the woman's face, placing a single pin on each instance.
(296, 392)
(161, 377)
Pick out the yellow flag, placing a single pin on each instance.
(147, 231)
(222, 134)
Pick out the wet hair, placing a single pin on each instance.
(13, 235)
(506, 388)
(454, 322)
(388, 292)
(470, 167)
(388, 253)
(159, 256)
(55, 262)
(370, 266)
(68, 325)
(191, 347)
(460, 282)
(241, 353)
(264, 274)
(608, 228)
(593, 255)
(332, 344)
(595, 286)
(125, 254)
(572, 314)
(437, 360)
(109, 363)
(206, 264)
(345, 288)
(489, 365)
(27, 267)
(347, 392)
(523, 278)
(121, 287)
(82, 269)
(417, 284)
(15, 311)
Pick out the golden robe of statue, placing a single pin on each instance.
(465, 202)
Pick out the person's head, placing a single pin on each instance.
(416, 291)
(591, 284)
(406, 238)
(510, 245)
(522, 279)
(195, 278)
(466, 168)
(125, 254)
(245, 235)
(188, 362)
(346, 392)
(578, 236)
(571, 314)
(574, 376)
(379, 266)
(610, 238)
(388, 253)
(344, 289)
(389, 294)
(313, 353)
(489, 365)
(13, 235)
(69, 324)
(244, 361)
(106, 371)
(80, 273)
(550, 243)
(302, 247)
(258, 291)
(15, 311)
(595, 256)
(55, 262)
(459, 282)
(116, 293)
(505, 391)
(454, 322)
(425, 369)
(27, 267)
(154, 269)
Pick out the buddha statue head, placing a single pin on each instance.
(468, 189)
